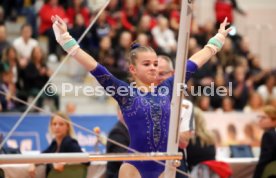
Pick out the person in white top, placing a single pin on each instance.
(25, 44)
(163, 36)
(268, 90)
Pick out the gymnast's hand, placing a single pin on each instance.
(59, 166)
(59, 27)
(67, 42)
(217, 42)
(222, 29)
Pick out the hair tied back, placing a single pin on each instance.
(134, 45)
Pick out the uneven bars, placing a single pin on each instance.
(85, 157)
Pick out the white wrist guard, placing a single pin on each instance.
(216, 43)
(68, 43)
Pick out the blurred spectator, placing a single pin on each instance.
(25, 44)
(224, 8)
(205, 76)
(114, 13)
(216, 99)
(3, 39)
(63, 135)
(143, 39)
(8, 87)
(165, 68)
(35, 76)
(118, 133)
(227, 104)
(130, 15)
(78, 7)
(193, 46)
(204, 33)
(36, 72)
(11, 9)
(202, 146)
(49, 9)
(106, 56)
(121, 51)
(70, 108)
(145, 26)
(15, 66)
(175, 19)
(101, 29)
(203, 102)
(10, 62)
(268, 90)
(254, 104)
(241, 89)
(227, 57)
(272, 102)
(268, 144)
(153, 10)
(78, 29)
(164, 37)
(2, 15)
(256, 72)
(243, 48)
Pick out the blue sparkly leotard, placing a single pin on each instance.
(146, 115)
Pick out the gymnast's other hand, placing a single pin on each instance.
(59, 27)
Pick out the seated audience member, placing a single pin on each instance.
(34, 77)
(227, 104)
(24, 44)
(70, 108)
(51, 7)
(63, 134)
(119, 133)
(254, 104)
(268, 90)
(7, 87)
(202, 146)
(268, 143)
(203, 102)
(3, 39)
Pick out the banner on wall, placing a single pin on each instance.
(33, 135)
(234, 128)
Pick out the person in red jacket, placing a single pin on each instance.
(224, 8)
(78, 8)
(50, 8)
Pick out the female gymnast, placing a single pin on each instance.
(145, 105)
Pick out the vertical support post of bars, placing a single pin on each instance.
(179, 77)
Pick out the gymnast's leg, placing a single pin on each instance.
(128, 170)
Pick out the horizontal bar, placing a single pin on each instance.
(136, 157)
(84, 157)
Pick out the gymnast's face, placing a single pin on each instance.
(145, 68)
(59, 127)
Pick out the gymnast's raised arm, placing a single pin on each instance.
(214, 45)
